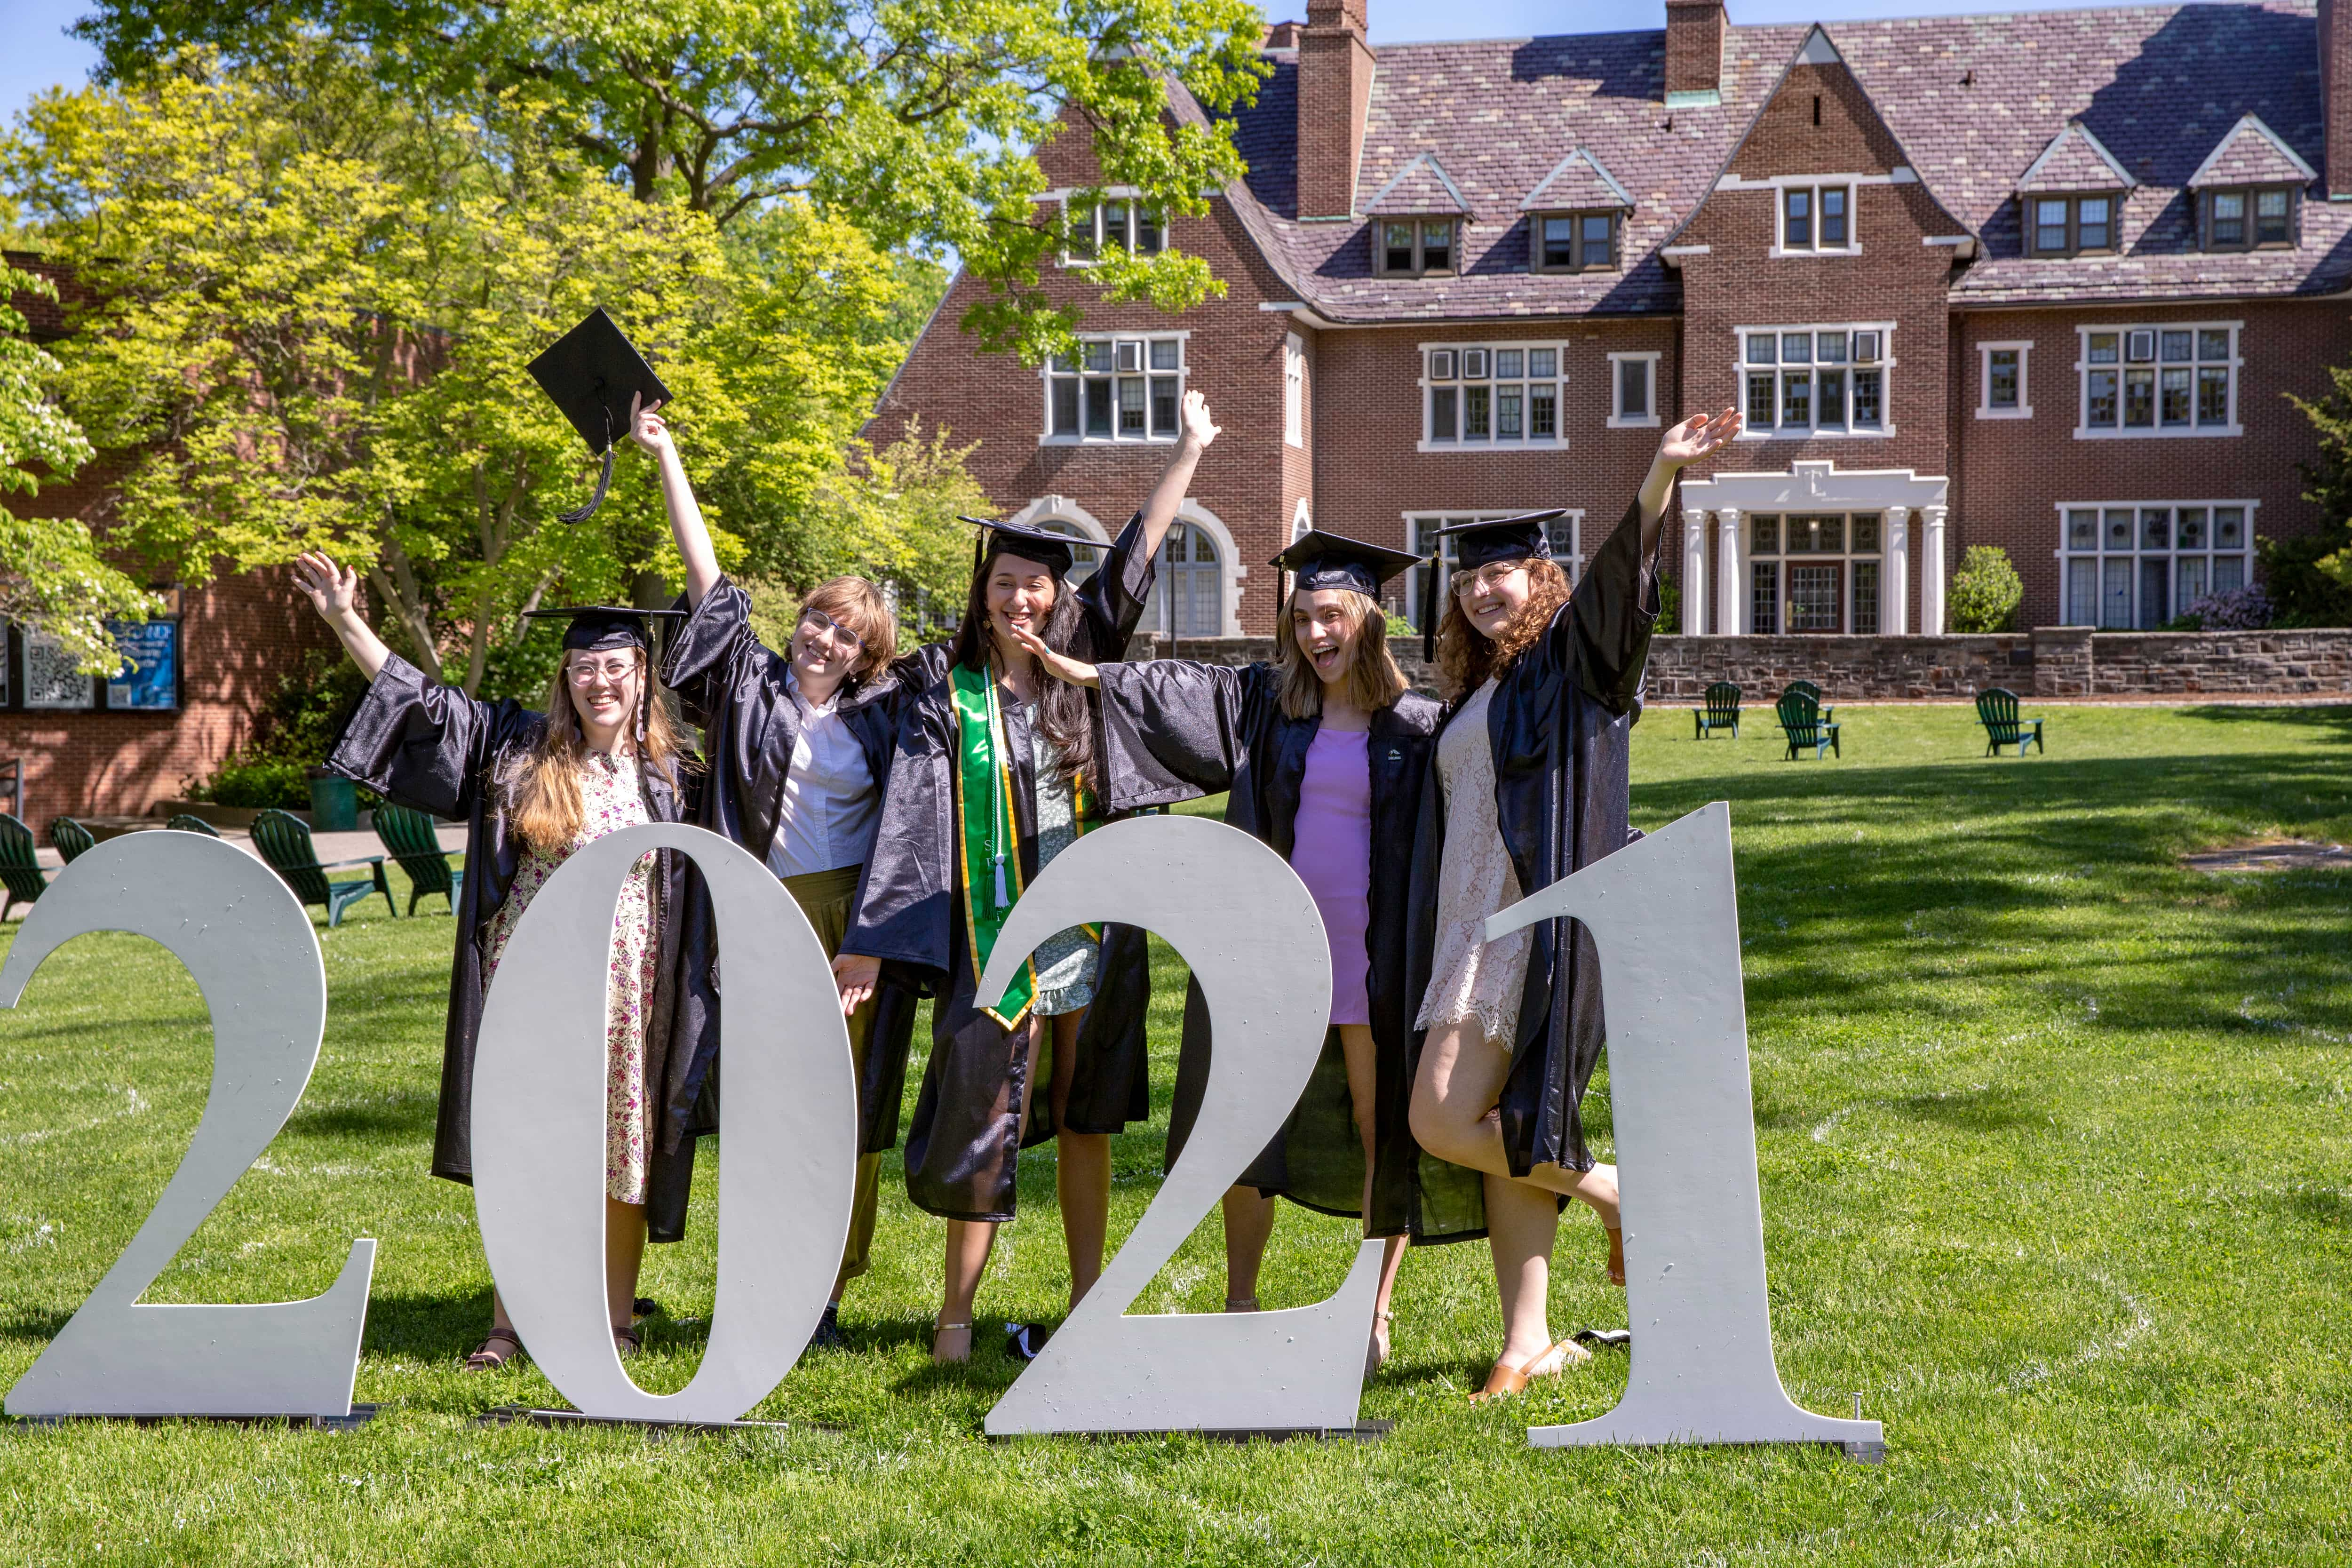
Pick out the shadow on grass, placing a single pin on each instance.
(1974, 1110)
(2333, 723)
(2332, 1210)
(33, 1325)
(402, 1115)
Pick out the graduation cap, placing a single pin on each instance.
(593, 373)
(1051, 550)
(599, 628)
(1320, 559)
(1478, 544)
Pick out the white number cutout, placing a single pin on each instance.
(1664, 912)
(247, 942)
(788, 1121)
(1247, 924)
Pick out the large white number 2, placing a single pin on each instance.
(1664, 912)
(788, 1121)
(1246, 923)
(247, 942)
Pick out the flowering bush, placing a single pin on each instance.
(2243, 609)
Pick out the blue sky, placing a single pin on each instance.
(35, 53)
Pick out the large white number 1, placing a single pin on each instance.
(1247, 924)
(788, 1122)
(1664, 912)
(247, 942)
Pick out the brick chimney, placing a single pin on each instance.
(2336, 99)
(1695, 30)
(1280, 35)
(1335, 91)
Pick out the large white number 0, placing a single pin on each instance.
(1247, 924)
(1664, 912)
(788, 1122)
(247, 942)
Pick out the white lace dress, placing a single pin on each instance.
(1469, 976)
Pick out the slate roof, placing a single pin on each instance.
(2075, 161)
(1576, 180)
(1419, 189)
(2252, 154)
(1973, 101)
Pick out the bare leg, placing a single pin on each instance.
(1249, 1223)
(1453, 1097)
(1363, 1082)
(1522, 1222)
(624, 1253)
(1081, 1167)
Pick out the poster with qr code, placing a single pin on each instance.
(50, 679)
(150, 677)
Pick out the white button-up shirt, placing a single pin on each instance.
(831, 809)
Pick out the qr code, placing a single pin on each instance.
(50, 679)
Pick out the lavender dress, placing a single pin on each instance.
(1332, 853)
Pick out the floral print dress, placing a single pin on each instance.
(610, 799)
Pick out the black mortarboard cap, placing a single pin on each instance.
(593, 373)
(1320, 559)
(1520, 538)
(1051, 550)
(597, 627)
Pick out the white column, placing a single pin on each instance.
(1694, 572)
(1895, 594)
(1731, 614)
(1931, 571)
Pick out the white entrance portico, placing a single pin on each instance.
(1814, 550)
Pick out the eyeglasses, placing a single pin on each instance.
(823, 625)
(1488, 578)
(587, 671)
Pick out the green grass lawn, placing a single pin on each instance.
(2055, 1170)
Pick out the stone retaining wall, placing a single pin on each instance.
(2047, 662)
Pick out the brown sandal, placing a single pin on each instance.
(489, 1358)
(1508, 1380)
(628, 1341)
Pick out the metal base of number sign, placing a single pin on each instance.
(1664, 912)
(509, 1414)
(360, 1416)
(1362, 1432)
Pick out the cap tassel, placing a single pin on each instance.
(604, 480)
(1428, 614)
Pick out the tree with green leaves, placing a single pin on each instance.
(1986, 591)
(2309, 578)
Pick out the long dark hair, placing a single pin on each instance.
(1062, 710)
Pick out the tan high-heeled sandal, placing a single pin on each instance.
(1504, 1380)
(1614, 1270)
(937, 1329)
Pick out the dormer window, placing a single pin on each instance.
(2070, 226)
(1118, 224)
(1572, 242)
(1409, 247)
(2249, 219)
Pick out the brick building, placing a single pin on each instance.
(2043, 281)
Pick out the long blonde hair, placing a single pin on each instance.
(1466, 657)
(543, 786)
(1372, 680)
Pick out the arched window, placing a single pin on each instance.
(1086, 550)
(1191, 586)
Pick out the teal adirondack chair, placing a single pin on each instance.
(414, 839)
(22, 878)
(185, 823)
(1801, 722)
(284, 842)
(1721, 712)
(70, 838)
(1997, 711)
(1829, 709)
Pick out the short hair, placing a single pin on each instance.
(858, 605)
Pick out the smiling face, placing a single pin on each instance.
(1491, 596)
(605, 685)
(1020, 593)
(1324, 623)
(823, 651)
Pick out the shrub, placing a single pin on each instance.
(1986, 591)
(255, 782)
(1670, 607)
(2243, 609)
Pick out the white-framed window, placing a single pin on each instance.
(1816, 219)
(1566, 532)
(1572, 241)
(1408, 248)
(1188, 599)
(1823, 380)
(1816, 572)
(1633, 389)
(2000, 381)
(2163, 378)
(1480, 396)
(1117, 222)
(1294, 391)
(2137, 565)
(1115, 388)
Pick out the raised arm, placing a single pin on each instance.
(1176, 479)
(685, 525)
(1172, 729)
(333, 591)
(1686, 443)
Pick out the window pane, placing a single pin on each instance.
(2000, 380)
(1167, 354)
(1437, 245)
(2115, 593)
(1163, 404)
(2082, 593)
(1866, 598)
(1812, 599)
(1796, 397)
(1764, 535)
(1131, 404)
(1097, 407)
(1595, 245)
(1558, 242)
(2092, 228)
(1507, 363)
(2228, 574)
(2050, 225)
(2156, 528)
(1149, 238)
(1543, 362)
(1065, 406)
(1798, 233)
(2212, 395)
(1066, 364)
(2229, 217)
(2103, 348)
(1865, 533)
(1442, 411)
(1396, 248)
(1097, 355)
(1867, 415)
(2099, 401)
(1763, 348)
(1475, 425)
(2191, 581)
(2140, 398)
(2118, 523)
(2230, 527)
(2213, 342)
(1763, 598)
(2191, 534)
(2174, 402)
(1830, 347)
(1634, 388)
(1832, 414)
(1833, 216)
(2175, 347)
(2270, 214)
(1796, 348)
(1114, 226)
(1507, 400)
(1543, 411)
(2082, 533)
(2155, 593)
(1761, 410)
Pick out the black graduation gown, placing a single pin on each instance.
(1176, 731)
(1560, 723)
(733, 687)
(964, 1144)
(433, 748)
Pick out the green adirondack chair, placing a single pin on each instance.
(1801, 722)
(183, 823)
(1829, 709)
(284, 842)
(414, 840)
(1997, 711)
(1721, 712)
(70, 838)
(21, 877)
